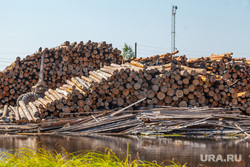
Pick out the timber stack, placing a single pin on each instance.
(79, 85)
(232, 75)
(157, 59)
(119, 86)
(61, 63)
(232, 72)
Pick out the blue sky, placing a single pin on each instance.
(202, 27)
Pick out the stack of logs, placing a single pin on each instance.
(232, 72)
(117, 86)
(156, 59)
(61, 63)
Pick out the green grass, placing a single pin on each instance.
(44, 158)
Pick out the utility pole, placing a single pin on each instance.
(174, 8)
(135, 50)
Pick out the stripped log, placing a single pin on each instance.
(5, 111)
(25, 111)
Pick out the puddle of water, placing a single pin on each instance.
(192, 151)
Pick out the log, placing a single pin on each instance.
(34, 110)
(22, 114)
(5, 111)
(137, 64)
(17, 116)
(25, 111)
(183, 104)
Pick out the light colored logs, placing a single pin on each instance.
(22, 114)
(5, 111)
(137, 64)
(25, 111)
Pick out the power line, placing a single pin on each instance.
(180, 40)
(194, 51)
(146, 53)
(18, 53)
(152, 51)
(5, 61)
(141, 53)
(185, 50)
(153, 47)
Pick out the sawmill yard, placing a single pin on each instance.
(91, 89)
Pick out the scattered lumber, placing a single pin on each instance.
(195, 121)
(156, 121)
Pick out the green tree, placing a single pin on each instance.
(127, 52)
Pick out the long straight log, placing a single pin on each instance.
(34, 110)
(25, 111)
(5, 111)
(117, 112)
(22, 114)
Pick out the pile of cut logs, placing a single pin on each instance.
(118, 86)
(215, 81)
(156, 59)
(234, 73)
(61, 63)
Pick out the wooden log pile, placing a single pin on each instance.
(231, 75)
(210, 61)
(234, 73)
(156, 59)
(61, 63)
(118, 86)
(222, 82)
(110, 87)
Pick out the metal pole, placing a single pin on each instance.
(135, 50)
(42, 68)
(174, 8)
